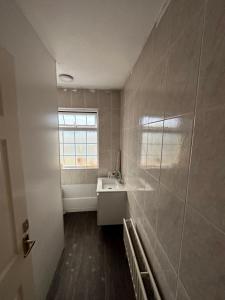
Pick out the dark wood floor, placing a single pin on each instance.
(93, 265)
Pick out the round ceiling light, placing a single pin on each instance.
(66, 77)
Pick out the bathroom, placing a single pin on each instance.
(112, 150)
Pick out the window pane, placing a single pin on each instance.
(61, 136)
(81, 149)
(143, 149)
(153, 161)
(69, 119)
(61, 149)
(155, 138)
(61, 119)
(69, 161)
(91, 120)
(81, 161)
(68, 136)
(143, 161)
(78, 146)
(92, 161)
(92, 137)
(144, 138)
(81, 119)
(69, 149)
(91, 149)
(80, 136)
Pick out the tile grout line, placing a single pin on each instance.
(111, 129)
(215, 227)
(159, 182)
(158, 241)
(191, 148)
(170, 47)
(160, 171)
(179, 115)
(165, 118)
(147, 172)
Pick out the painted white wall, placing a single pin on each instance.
(37, 104)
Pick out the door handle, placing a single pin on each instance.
(27, 245)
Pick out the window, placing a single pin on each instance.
(78, 137)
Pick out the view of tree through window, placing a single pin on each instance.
(78, 136)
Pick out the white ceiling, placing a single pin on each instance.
(96, 41)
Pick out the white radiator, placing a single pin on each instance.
(143, 281)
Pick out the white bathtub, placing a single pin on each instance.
(79, 197)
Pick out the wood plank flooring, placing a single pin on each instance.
(93, 265)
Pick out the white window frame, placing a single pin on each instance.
(81, 110)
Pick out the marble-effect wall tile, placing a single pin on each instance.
(206, 169)
(177, 134)
(182, 70)
(203, 260)
(177, 200)
(212, 72)
(170, 216)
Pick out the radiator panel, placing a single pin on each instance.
(145, 287)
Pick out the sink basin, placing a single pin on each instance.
(109, 185)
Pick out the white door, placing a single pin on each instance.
(16, 281)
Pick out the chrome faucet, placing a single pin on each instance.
(110, 175)
(117, 174)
